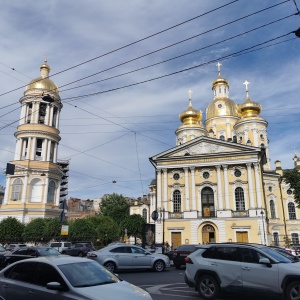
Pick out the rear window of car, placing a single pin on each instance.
(186, 248)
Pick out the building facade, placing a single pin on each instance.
(216, 184)
(39, 181)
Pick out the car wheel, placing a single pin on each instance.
(159, 266)
(80, 254)
(110, 266)
(293, 291)
(177, 266)
(208, 287)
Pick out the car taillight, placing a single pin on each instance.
(91, 255)
(85, 249)
(174, 254)
(188, 260)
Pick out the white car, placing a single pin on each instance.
(123, 256)
(241, 267)
(60, 246)
(64, 277)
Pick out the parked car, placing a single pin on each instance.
(181, 253)
(170, 254)
(65, 277)
(28, 252)
(118, 257)
(286, 253)
(214, 268)
(3, 251)
(13, 247)
(59, 246)
(78, 249)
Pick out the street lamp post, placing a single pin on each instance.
(263, 225)
(163, 233)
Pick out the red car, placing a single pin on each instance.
(181, 253)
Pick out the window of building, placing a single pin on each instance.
(207, 200)
(220, 105)
(145, 214)
(39, 145)
(42, 113)
(292, 211)
(222, 137)
(17, 187)
(272, 209)
(276, 238)
(239, 199)
(289, 192)
(237, 173)
(176, 176)
(295, 238)
(205, 175)
(51, 192)
(29, 112)
(176, 201)
(270, 189)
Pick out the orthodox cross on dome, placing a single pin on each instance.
(190, 96)
(219, 68)
(246, 83)
(46, 56)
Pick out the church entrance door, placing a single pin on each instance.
(175, 239)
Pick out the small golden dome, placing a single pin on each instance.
(190, 115)
(219, 80)
(222, 107)
(43, 82)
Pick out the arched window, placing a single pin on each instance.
(17, 187)
(176, 201)
(51, 192)
(36, 190)
(222, 137)
(207, 201)
(295, 238)
(239, 199)
(292, 211)
(272, 209)
(145, 214)
(276, 238)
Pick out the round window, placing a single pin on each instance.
(205, 175)
(219, 105)
(176, 176)
(237, 173)
(270, 189)
(289, 192)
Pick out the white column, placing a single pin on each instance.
(23, 114)
(226, 185)
(57, 119)
(7, 190)
(24, 191)
(35, 112)
(18, 149)
(33, 149)
(48, 150)
(55, 153)
(51, 116)
(44, 149)
(250, 186)
(47, 114)
(28, 148)
(187, 190)
(220, 198)
(57, 195)
(228, 130)
(165, 200)
(46, 186)
(158, 175)
(193, 189)
(257, 184)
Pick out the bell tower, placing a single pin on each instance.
(33, 187)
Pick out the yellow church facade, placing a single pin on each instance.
(216, 184)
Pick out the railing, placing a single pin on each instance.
(175, 215)
(207, 214)
(240, 213)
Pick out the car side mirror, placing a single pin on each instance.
(265, 261)
(55, 286)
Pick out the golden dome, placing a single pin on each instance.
(219, 80)
(222, 107)
(190, 116)
(43, 82)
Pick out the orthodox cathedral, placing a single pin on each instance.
(216, 184)
(36, 182)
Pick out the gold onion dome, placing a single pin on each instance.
(43, 82)
(190, 116)
(249, 108)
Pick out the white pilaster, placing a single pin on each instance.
(158, 175)
(24, 191)
(7, 190)
(257, 184)
(250, 186)
(165, 200)
(46, 186)
(193, 189)
(219, 183)
(33, 148)
(187, 190)
(228, 130)
(57, 196)
(47, 116)
(226, 185)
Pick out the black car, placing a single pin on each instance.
(28, 252)
(285, 253)
(3, 251)
(181, 253)
(79, 249)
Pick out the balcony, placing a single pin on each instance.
(240, 213)
(175, 215)
(207, 214)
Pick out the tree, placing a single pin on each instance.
(292, 177)
(107, 230)
(134, 225)
(11, 230)
(35, 230)
(116, 207)
(52, 229)
(81, 230)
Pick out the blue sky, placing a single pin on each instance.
(110, 136)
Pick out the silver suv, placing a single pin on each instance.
(242, 267)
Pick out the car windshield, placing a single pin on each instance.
(85, 274)
(276, 255)
(2, 249)
(48, 252)
(186, 248)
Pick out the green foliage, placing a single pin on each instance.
(116, 207)
(82, 230)
(134, 225)
(107, 229)
(11, 230)
(292, 177)
(52, 229)
(34, 230)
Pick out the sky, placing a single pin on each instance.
(110, 128)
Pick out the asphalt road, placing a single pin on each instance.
(170, 285)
